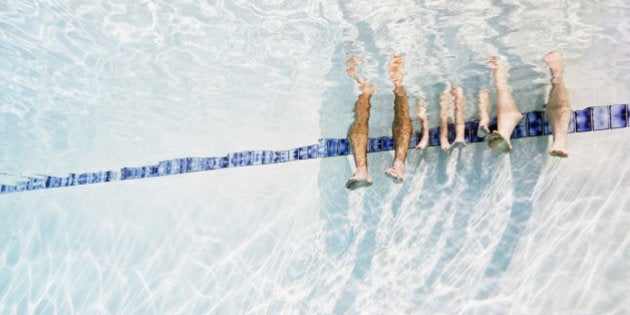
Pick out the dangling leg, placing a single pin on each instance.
(421, 113)
(508, 115)
(558, 107)
(460, 124)
(445, 105)
(358, 132)
(484, 116)
(401, 127)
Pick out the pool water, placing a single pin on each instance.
(88, 87)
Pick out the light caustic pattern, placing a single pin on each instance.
(90, 87)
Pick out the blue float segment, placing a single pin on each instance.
(375, 145)
(224, 162)
(280, 157)
(266, 157)
(601, 118)
(322, 149)
(535, 123)
(313, 151)
(343, 147)
(618, 116)
(236, 159)
(248, 158)
(388, 143)
(492, 124)
(303, 153)
(36, 183)
(332, 146)
(583, 120)
(467, 133)
(53, 182)
(294, 154)
(547, 126)
(451, 133)
(257, 157)
(415, 138)
(434, 137)
(472, 128)
(520, 130)
(83, 179)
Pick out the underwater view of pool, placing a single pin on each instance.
(189, 157)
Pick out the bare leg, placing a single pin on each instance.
(508, 115)
(358, 132)
(484, 117)
(445, 104)
(421, 113)
(460, 125)
(401, 127)
(558, 107)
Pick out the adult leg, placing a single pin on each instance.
(401, 127)
(460, 124)
(508, 115)
(421, 113)
(558, 107)
(358, 132)
(484, 117)
(445, 105)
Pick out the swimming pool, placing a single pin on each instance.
(120, 84)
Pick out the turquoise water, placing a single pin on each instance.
(88, 87)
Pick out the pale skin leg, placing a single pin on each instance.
(358, 132)
(558, 107)
(445, 105)
(401, 127)
(484, 116)
(421, 113)
(460, 125)
(508, 115)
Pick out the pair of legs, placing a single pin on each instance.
(558, 109)
(401, 127)
(456, 95)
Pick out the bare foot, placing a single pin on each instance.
(396, 64)
(498, 142)
(353, 72)
(553, 59)
(397, 171)
(360, 178)
(484, 116)
(501, 72)
(421, 113)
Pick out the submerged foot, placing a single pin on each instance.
(458, 144)
(559, 153)
(553, 59)
(397, 171)
(482, 131)
(360, 178)
(501, 72)
(396, 65)
(498, 142)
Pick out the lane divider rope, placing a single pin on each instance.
(534, 124)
